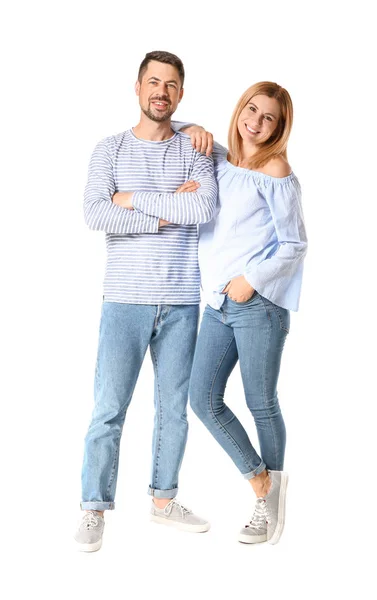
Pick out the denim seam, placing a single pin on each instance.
(158, 312)
(217, 421)
(96, 373)
(172, 489)
(280, 319)
(268, 338)
(113, 468)
(110, 504)
(158, 442)
(163, 316)
(259, 469)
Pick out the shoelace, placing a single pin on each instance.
(169, 507)
(90, 520)
(260, 516)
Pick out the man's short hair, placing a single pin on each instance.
(163, 57)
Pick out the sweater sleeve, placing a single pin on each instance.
(272, 277)
(184, 208)
(99, 211)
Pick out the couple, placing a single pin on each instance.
(148, 189)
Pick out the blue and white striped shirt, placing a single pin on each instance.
(145, 264)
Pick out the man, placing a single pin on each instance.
(151, 292)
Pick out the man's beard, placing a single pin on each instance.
(157, 118)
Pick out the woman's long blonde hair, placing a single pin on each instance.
(276, 145)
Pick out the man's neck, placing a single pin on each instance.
(147, 129)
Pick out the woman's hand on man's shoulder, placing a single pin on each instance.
(201, 139)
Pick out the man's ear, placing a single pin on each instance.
(137, 88)
(181, 94)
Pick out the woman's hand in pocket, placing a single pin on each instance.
(238, 289)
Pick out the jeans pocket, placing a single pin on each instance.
(284, 317)
(249, 301)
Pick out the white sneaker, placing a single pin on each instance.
(176, 515)
(256, 531)
(89, 532)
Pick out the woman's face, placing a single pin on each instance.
(259, 119)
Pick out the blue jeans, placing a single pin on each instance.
(126, 331)
(254, 333)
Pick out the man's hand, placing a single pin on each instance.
(201, 139)
(123, 199)
(188, 186)
(239, 290)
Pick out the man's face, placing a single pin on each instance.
(160, 91)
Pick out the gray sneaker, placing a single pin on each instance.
(89, 532)
(275, 505)
(256, 531)
(178, 516)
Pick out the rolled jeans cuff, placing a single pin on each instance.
(162, 493)
(97, 505)
(256, 471)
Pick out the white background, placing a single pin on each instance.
(68, 77)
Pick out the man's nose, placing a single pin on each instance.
(162, 88)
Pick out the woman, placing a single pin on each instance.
(251, 260)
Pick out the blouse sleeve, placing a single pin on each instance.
(219, 153)
(279, 275)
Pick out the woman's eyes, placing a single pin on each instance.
(253, 109)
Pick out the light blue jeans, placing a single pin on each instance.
(126, 331)
(254, 333)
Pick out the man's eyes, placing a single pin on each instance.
(171, 85)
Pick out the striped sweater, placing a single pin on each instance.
(145, 264)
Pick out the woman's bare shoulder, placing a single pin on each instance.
(277, 167)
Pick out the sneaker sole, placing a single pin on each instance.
(89, 547)
(255, 539)
(281, 514)
(182, 526)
